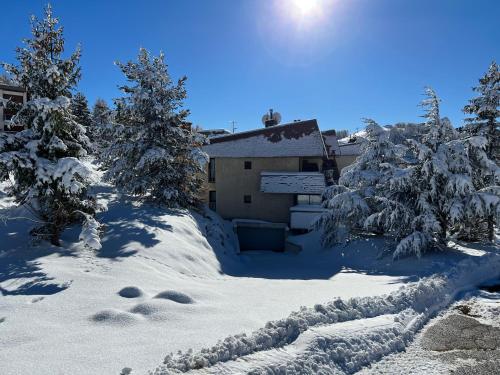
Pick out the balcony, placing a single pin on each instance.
(292, 182)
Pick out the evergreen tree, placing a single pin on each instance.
(155, 154)
(121, 114)
(101, 114)
(44, 161)
(80, 109)
(418, 191)
(102, 129)
(485, 110)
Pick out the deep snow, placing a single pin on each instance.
(166, 281)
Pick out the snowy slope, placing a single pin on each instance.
(62, 308)
(165, 281)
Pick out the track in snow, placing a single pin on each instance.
(339, 337)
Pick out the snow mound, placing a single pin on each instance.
(175, 296)
(155, 310)
(115, 317)
(131, 292)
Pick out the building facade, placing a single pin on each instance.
(275, 174)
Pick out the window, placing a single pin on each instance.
(308, 199)
(212, 200)
(315, 199)
(309, 167)
(247, 199)
(211, 170)
(248, 165)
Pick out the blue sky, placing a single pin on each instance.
(337, 60)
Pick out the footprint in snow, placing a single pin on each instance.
(175, 296)
(131, 292)
(115, 317)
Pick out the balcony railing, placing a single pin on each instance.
(292, 182)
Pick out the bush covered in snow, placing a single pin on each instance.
(420, 183)
(43, 162)
(155, 154)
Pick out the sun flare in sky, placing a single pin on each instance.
(305, 8)
(306, 13)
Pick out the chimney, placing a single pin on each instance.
(271, 121)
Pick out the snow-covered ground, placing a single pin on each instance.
(166, 281)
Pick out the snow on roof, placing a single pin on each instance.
(292, 182)
(349, 149)
(331, 142)
(301, 138)
(11, 88)
(214, 132)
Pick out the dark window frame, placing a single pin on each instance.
(247, 164)
(212, 200)
(309, 199)
(247, 199)
(211, 170)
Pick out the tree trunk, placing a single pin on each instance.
(54, 237)
(491, 230)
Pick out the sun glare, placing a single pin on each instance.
(306, 8)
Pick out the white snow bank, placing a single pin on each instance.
(419, 300)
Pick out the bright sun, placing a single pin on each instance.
(306, 8)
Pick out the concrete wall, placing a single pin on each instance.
(233, 182)
(345, 160)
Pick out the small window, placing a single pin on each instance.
(212, 199)
(308, 199)
(309, 167)
(211, 170)
(248, 165)
(302, 199)
(315, 199)
(247, 199)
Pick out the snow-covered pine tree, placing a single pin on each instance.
(44, 162)
(486, 111)
(361, 187)
(482, 131)
(101, 130)
(121, 113)
(417, 192)
(101, 114)
(80, 109)
(156, 155)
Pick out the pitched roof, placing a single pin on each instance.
(302, 138)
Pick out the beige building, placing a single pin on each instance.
(275, 174)
(14, 94)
